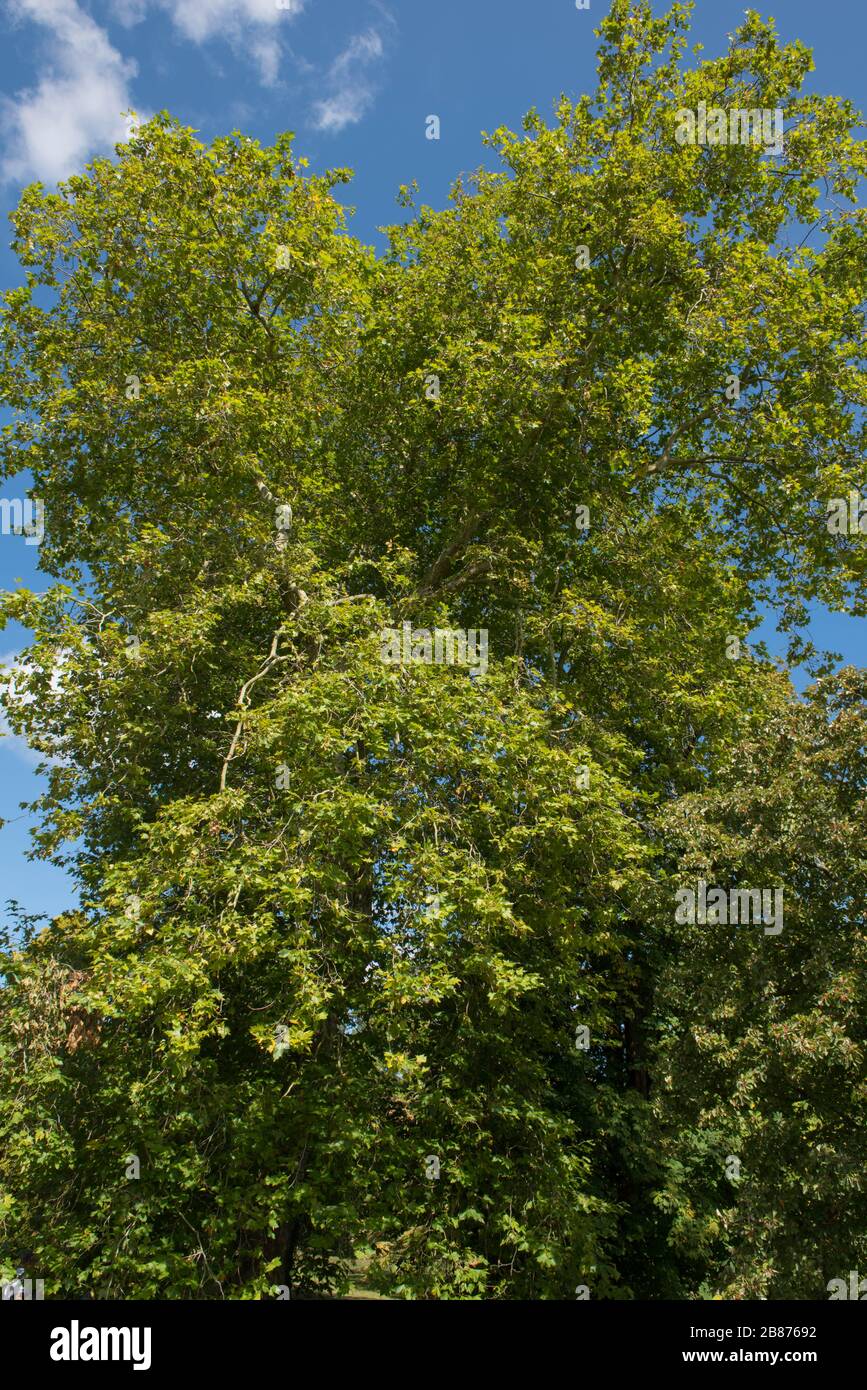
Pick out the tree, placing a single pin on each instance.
(762, 1050)
(345, 920)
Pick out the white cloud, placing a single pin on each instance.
(350, 89)
(266, 51)
(76, 109)
(129, 12)
(12, 742)
(248, 26)
(206, 19)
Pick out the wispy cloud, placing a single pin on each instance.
(267, 53)
(10, 665)
(250, 27)
(205, 19)
(349, 85)
(76, 108)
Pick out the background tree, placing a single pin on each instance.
(762, 1051)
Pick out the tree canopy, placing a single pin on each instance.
(379, 960)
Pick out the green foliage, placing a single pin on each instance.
(338, 917)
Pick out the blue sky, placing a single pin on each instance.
(355, 79)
